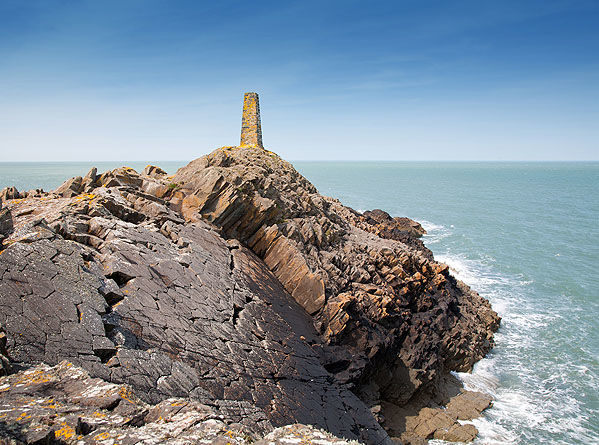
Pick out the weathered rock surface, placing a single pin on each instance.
(439, 415)
(9, 193)
(302, 434)
(234, 284)
(392, 319)
(152, 170)
(5, 368)
(6, 225)
(115, 282)
(63, 404)
(401, 229)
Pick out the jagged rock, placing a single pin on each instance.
(63, 404)
(5, 367)
(236, 285)
(91, 175)
(123, 177)
(301, 434)
(70, 187)
(34, 193)
(152, 170)
(400, 229)
(469, 404)
(385, 309)
(6, 224)
(389, 224)
(9, 193)
(457, 433)
(169, 308)
(88, 183)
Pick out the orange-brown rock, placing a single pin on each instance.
(117, 282)
(384, 307)
(9, 193)
(385, 319)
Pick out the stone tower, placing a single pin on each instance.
(251, 133)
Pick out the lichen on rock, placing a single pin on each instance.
(235, 285)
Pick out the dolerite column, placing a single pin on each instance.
(251, 133)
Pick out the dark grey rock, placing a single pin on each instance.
(6, 224)
(172, 310)
(330, 315)
(9, 193)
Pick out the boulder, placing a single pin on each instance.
(429, 421)
(457, 433)
(436, 421)
(71, 187)
(152, 170)
(6, 224)
(120, 177)
(469, 404)
(9, 193)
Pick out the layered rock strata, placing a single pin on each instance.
(115, 282)
(378, 303)
(236, 285)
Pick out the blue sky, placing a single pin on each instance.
(338, 80)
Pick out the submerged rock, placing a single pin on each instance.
(235, 285)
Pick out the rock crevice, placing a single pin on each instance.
(235, 285)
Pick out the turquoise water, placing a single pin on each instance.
(49, 175)
(525, 235)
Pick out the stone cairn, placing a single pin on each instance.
(251, 133)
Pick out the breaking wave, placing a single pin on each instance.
(536, 399)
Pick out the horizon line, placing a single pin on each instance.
(312, 160)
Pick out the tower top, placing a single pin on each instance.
(251, 132)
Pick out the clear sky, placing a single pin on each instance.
(338, 80)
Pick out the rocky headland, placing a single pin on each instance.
(236, 292)
(228, 303)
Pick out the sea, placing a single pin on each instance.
(525, 235)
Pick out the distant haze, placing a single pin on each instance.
(338, 80)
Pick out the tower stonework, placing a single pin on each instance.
(251, 132)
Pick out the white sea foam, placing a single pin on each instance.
(429, 226)
(532, 400)
(434, 232)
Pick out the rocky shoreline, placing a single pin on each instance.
(236, 286)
